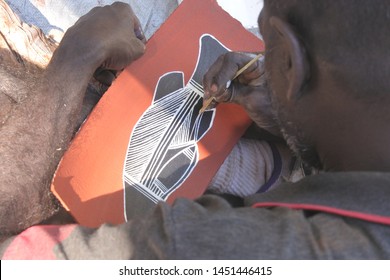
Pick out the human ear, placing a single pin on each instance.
(297, 64)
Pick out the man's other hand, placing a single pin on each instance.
(108, 38)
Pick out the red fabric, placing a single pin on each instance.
(327, 209)
(37, 242)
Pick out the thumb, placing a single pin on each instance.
(136, 49)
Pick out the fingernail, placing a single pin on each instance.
(228, 84)
(139, 34)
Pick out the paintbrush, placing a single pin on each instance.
(239, 72)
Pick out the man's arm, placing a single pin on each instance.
(35, 136)
(208, 228)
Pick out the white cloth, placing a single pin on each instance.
(250, 165)
(54, 17)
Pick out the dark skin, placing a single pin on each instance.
(41, 134)
(295, 93)
(248, 90)
(320, 118)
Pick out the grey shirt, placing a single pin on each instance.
(327, 216)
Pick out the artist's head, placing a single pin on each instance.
(328, 67)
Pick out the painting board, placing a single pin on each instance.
(92, 180)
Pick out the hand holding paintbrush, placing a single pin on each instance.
(249, 90)
(208, 102)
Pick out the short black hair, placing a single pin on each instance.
(351, 35)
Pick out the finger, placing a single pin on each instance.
(222, 71)
(208, 79)
(138, 31)
(124, 10)
(123, 55)
(137, 49)
(218, 77)
(104, 76)
(255, 100)
(254, 75)
(222, 79)
(236, 93)
(228, 67)
(226, 95)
